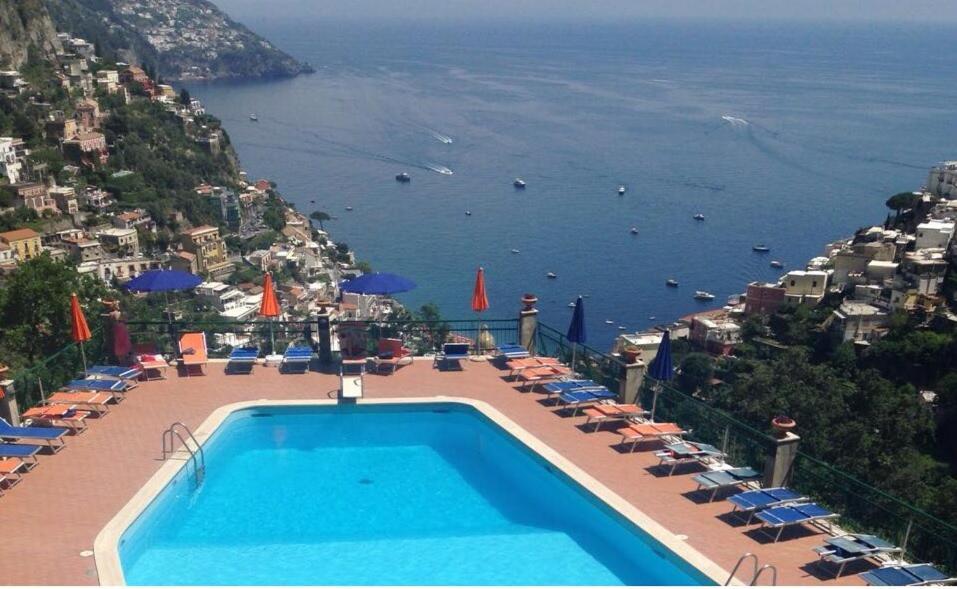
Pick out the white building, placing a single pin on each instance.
(934, 235)
(942, 180)
(227, 300)
(859, 321)
(10, 166)
(805, 286)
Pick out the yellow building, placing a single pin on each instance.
(209, 249)
(25, 242)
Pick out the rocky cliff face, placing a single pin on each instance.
(25, 26)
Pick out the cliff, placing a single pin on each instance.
(25, 26)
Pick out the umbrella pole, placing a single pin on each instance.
(83, 356)
(654, 399)
(478, 345)
(574, 353)
(272, 337)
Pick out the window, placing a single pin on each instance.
(814, 284)
(792, 283)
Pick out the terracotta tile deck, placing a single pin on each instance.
(57, 510)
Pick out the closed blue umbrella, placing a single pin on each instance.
(381, 283)
(576, 329)
(661, 369)
(163, 281)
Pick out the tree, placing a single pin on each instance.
(184, 97)
(696, 371)
(901, 201)
(320, 216)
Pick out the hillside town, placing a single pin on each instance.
(69, 218)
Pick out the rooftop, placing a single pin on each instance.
(58, 508)
(18, 234)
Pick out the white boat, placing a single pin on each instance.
(760, 248)
(621, 190)
(551, 275)
(571, 304)
(518, 183)
(468, 213)
(515, 251)
(702, 295)
(403, 177)
(253, 117)
(348, 208)
(621, 328)
(609, 322)
(699, 217)
(634, 231)
(777, 264)
(672, 283)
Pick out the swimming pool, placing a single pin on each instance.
(384, 494)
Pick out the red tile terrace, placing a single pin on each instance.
(50, 519)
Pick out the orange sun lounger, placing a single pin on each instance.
(58, 416)
(193, 351)
(87, 400)
(517, 365)
(11, 469)
(640, 432)
(532, 376)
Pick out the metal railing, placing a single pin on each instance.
(426, 337)
(34, 383)
(589, 362)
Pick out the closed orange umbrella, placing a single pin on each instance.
(269, 307)
(479, 298)
(79, 330)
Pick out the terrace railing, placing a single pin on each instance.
(589, 362)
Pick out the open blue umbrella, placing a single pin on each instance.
(661, 368)
(163, 281)
(576, 329)
(380, 283)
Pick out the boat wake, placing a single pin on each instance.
(735, 121)
(439, 169)
(443, 138)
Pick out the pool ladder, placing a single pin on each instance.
(757, 572)
(197, 456)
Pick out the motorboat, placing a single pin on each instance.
(672, 283)
(760, 247)
(572, 304)
(403, 177)
(634, 231)
(468, 213)
(348, 208)
(515, 251)
(253, 117)
(609, 322)
(621, 190)
(518, 183)
(698, 217)
(777, 264)
(622, 328)
(702, 295)
(551, 275)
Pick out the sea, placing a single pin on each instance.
(783, 134)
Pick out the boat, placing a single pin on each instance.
(621, 328)
(702, 295)
(403, 177)
(652, 317)
(698, 217)
(760, 247)
(468, 213)
(253, 117)
(518, 183)
(348, 208)
(514, 251)
(572, 304)
(551, 275)
(621, 190)
(634, 231)
(672, 283)
(609, 322)
(777, 264)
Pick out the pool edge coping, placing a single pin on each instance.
(106, 544)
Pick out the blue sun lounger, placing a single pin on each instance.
(583, 397)
(717, 480)
(752, 501)
(843, 550)
(52, 437)
(569, 386)
(451, 353)
(241, 360)
(907, 575)
(296, 359)
(790, 515)
(121, 372)
(25, 451)
(117, 387)
(512, 352)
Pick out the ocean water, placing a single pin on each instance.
(791, 135)
(384, 495)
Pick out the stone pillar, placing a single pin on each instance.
(629, 382)
(9, 409)
(324, 337)
(528, 323)
(780, 464)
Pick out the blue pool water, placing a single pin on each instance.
(432, 494)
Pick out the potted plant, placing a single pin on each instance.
(529, 300)
(783, 424)
(630, 353)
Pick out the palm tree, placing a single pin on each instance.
(320, 216)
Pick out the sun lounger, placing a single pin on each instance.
(27, 452)
(644, 432)
(11, 470)
(52, 437)
(115, 372)
(193, 351)
(117, 387)
(152, 364)
(452, 353)
(241, 360)
(717, 480)
(602, 413)
(751, 502)
(516, 366)
(296, 359)
(391, 354)
(795, 514)
(58, 416)
(86, 400)
(568, 386)
(512, 351)
(680, 453)
(842, 550)
(542, 374)
(585, 398)
(907, 575)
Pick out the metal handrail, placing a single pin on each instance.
(738, 565)
(774, 575)
(199, 464)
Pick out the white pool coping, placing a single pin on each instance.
(106, 545)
